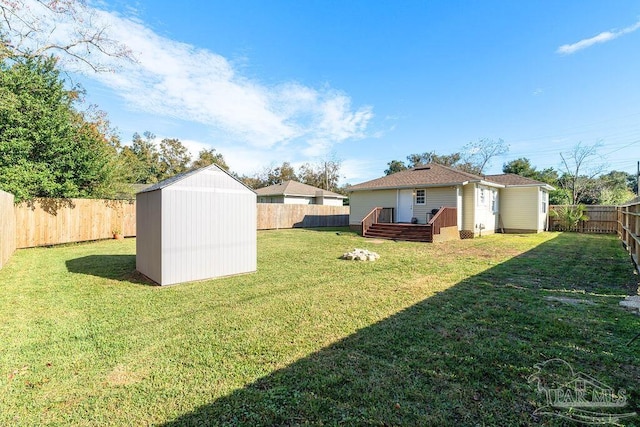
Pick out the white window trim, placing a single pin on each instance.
(482, 197)
(424, 197)
(494, 201)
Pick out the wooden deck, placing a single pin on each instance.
(404, 232)
(378, 224)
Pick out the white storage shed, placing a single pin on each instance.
(197, 225)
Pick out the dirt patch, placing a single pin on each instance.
(121, 375)
(376, 241)
(570, 301)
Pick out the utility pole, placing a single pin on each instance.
(638, 180)
(326, 177)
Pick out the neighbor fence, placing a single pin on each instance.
(53, 221)
(277, 215)
(7, 227)
(602, 219)
(629, 229)
(43, 222)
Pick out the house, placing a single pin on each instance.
(197, 225)
(297, 193)
(483, 204)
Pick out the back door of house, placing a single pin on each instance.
(405, 206)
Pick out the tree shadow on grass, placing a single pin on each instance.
(113, 267)
(461, 357)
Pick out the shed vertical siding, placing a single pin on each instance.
(519, 209)
(362, 202)
(208, 228)
(149, 237)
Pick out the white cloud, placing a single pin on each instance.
(567, 49)
(174, 79)
(354, 171)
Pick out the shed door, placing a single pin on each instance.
(405, 206)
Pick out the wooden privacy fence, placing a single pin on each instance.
(602, 219)
(7, 227)
(277, 215)
(54, 221)
(629, 229)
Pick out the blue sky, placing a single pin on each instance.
(371, 81)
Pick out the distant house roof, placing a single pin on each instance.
(294, 188)
(513, 180)
(167, 182)
(436, 175)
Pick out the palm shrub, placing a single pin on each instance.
(569, 216)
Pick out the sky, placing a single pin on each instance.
(370, 81)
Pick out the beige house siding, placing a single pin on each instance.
(485, 217)
(331, 202)
(270, 199)
(298, 200)
(520, 209)
(459, 205)
(436, 198)
(468, 210)
(362, 202)
(301, 200)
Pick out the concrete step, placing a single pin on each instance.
(631, 303)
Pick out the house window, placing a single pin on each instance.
(481, 197)
(494, 201)
(421, 197)
(544, 202)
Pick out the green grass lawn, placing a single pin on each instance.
(431, 334)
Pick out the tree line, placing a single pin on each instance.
(581, 179)
(50, 147)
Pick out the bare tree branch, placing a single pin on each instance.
(479, 154)
(579, 167)
(69, 29)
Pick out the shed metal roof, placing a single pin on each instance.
(176, 178)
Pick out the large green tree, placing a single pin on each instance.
(141, 159)
(395, 166)
(174, 158)
(614, 188)
(209, 157)
(47, 147)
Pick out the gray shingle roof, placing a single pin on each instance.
(436, 175)
(511, 179)
(294, 188)
(432, 174)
